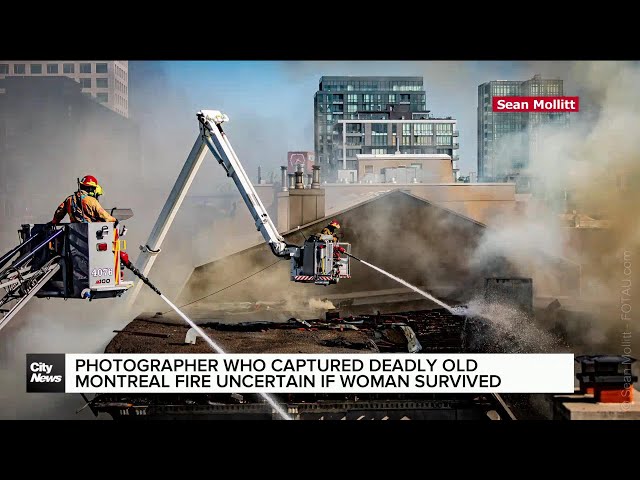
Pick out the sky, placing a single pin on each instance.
(270, 103)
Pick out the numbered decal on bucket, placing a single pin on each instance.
(102, 272)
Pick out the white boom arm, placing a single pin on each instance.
(218, 143)
(211, 135)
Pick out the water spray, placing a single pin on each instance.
(406, 284)
(125, 261)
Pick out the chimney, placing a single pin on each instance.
(300, 205)
(315, 182)
(283, 181)
(299, 178)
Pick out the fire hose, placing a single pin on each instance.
(124, 258)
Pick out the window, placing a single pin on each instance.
(102, 97)
(443, 140)
(352, 98)
(444, 129)
(378, 128)
(368, 169)
(354, 127)
(36, 68)
(102, 82)
(392, 98)
(4, 68)
(352, 108)
(52, 68)
(378, 151)
(404, 97)
(424, 140)
(68, 68)
(423, 129)
(378, 139)
(85, 82)
(101, 68)
(85, 68)
(352, 152)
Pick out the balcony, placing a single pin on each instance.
(456, 133)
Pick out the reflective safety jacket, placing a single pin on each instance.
(81, 208)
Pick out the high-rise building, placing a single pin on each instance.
(51, 134)
(507, 141)
(107, 81)
(350, 98)
(419, 135)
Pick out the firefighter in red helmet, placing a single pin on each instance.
(333, 229)
(83, 205)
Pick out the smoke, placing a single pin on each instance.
(317, 304)
(584, 167)
(56, 135)
(52, 326)
(587, 176)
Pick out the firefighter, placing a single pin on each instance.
(83, 205)
(333, 229)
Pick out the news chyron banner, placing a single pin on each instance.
(301, 373)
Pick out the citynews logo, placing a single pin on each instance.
(45, 372)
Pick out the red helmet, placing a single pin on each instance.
(89, 181)
(335, 224)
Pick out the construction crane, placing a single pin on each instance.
(314, 262)
(72, 260)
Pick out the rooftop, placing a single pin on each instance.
(437, 330)
(370, 77)
(401, 156)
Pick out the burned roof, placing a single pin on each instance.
(425, 331)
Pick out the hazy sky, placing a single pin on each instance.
(273, 100)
